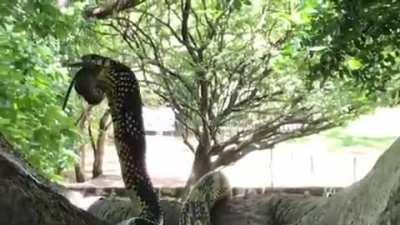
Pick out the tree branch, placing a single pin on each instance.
(110, 8)
(27, 199)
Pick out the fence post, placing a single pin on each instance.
(354, 169)
(311, 164)
(271, 171)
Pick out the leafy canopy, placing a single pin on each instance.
(35, 36)
(356, 41)
(235, 73)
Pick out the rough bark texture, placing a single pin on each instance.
(98, 155)
(79, 176)
(255, 209)
(273, 209)
(201, 165)
(83, 123)
(109, 8)
(116, 209)
(25, 199)
(372, 201)
(100, 145)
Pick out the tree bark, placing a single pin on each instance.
(79, 176)
(100, 145)
(80, 166)
(201, 166)
(26, 199)
(110, 8)
(99, 155)
(117, 209)
(372, 201)
(83, 123)
(255, 209)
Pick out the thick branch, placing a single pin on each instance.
(266, 137)
(26, 200)
(110, 8)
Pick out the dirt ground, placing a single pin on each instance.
(292, 165)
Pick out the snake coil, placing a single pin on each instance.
(101, 77)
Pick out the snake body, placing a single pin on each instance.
(101, 77)
(196, 209)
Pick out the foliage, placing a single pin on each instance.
(234, 74)
(34, 37)
(343, 141)
(356, 41)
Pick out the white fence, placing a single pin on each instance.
(168, 159)
(290, 168)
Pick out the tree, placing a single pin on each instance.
(26, 198)
(83, 124)
(110, 8)
(354, 40)
(226, 69)
(99, 145)
(34, 37)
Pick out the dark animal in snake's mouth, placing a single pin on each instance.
(86, 85)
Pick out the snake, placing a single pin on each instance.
(100, 77)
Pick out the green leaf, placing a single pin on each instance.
(4, 121)
(354, 63)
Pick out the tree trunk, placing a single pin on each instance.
(109, 8)
(201, 166)
(27, 200)
(79, 176)
(99, 155)
(79, 167)
(100, 145)
(372, 201)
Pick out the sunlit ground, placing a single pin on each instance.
(334, 158)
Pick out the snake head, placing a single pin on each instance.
(89, 80)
